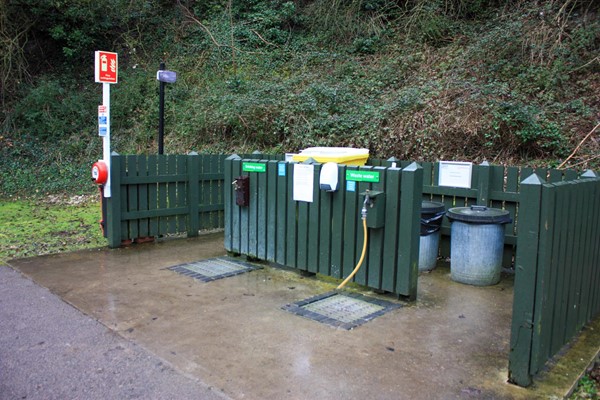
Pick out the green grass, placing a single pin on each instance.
(36, 227)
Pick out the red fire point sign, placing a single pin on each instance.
(106, 67)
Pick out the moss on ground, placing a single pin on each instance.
(52, 225)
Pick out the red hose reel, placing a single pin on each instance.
(100, 172)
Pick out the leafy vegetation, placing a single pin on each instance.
(588, 386)
(506, 81)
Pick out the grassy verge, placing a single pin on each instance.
(50, 225)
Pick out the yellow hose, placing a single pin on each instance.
(362, 256)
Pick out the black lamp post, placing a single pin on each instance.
(164, 77)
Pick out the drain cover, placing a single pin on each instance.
(213, 268)
(346, 311)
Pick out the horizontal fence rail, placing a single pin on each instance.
(156, 195)
(557, 281)
(325, 236)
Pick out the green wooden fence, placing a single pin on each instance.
(492, 186)
(557, 280)
(554, 240)
(156, 195)
(325, 236)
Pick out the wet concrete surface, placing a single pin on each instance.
(50, 350)
(233, 336)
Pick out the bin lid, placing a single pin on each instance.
(479, 215)
(432, 207)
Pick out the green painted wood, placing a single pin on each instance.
(570, 175)
(512, 186)
(338, 201)
(377, 237)
(555, 175)
(228, 196)
(583, 251)
(351, 224)
(134, 216)
(253, 215)
(271, 221)
(262, 223)
(566, 230)
(496, 201)
(162, 193)
(541, 172)
(143, 195)
(282, 209)
(193, 193)
(595, 282)
(546, 281)
(239, 214)
(152, 193)
(214, 187)
(292, 222)
(573, 259)
(484, 182)
(113, 204)
(163, 178)
(445, 230)
(182, 197)
(390, 240)
(124, 199)
(428, 176)
(245, 212)
(218, 188)
(408, 237)
(314, 218)
(132, 196)
(204, 192)
(172, 192)
(361, 275)
(594, 301)
(326, 228)
(525, 279)
(302, 235)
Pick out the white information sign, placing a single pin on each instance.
(304, 176)
(455, 174)
(102, 121)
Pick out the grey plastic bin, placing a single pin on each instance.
(432, 214)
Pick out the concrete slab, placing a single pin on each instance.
(233, 335)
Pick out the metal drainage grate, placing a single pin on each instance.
(346, 311)
(213, 268)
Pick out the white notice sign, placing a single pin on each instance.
(304, 176)
(455, 174)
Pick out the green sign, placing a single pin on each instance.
(254, 167)
(362, 176)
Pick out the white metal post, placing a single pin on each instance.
(106, 138)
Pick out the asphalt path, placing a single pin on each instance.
(50, 350)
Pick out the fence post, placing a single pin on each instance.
(393, 162)
(588, 174)
(411, 192)
(113, 209)
(483, 193)
(193, 161)
(228, 199)
(526, 264)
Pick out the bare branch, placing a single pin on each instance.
(578, 146)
